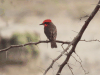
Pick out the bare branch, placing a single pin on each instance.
(70, 69)
(90, 40)
(78, 56)
(64, 63)
(62, 46)
(57, 59)
(73, 43)
(31, 43)
(84, 17)
(49, 67)
(77, 39)
(81, 65)
(35, 43)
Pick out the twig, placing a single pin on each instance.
(31, 43)
(57, 58)
(53, 71)
(35, 43)
(52, 60)
(73, 43)
(81, 65)
(90, 40)
(78, 56)
(77, 39)
(49, 67)
(41, 68)
(75, 31)
(84, 17)
(70, 69)
(62, 46)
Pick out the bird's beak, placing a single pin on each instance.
(41, 24)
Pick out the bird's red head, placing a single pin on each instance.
(45, 22)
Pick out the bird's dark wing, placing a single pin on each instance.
(48, 32)
(54, 33)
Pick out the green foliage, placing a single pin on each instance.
(23, 53)
(22, 38)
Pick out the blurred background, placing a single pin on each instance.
(19, 24)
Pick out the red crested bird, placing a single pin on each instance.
(50, 31)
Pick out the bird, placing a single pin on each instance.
(50, 31)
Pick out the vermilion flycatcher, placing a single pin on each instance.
(50, 31)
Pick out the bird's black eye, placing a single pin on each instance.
(45, 22)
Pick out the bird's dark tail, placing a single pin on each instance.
(53, 44)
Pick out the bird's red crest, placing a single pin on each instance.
(47, 20)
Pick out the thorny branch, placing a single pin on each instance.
(73, 43)
(70, 69)
(77, 38)
(80, 64)
(31, 43)
(90, 40)
(35, 43)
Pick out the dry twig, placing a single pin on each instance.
(31, 43)
(73, 43)
(90, 40)
(77, 39)
(70, 69)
